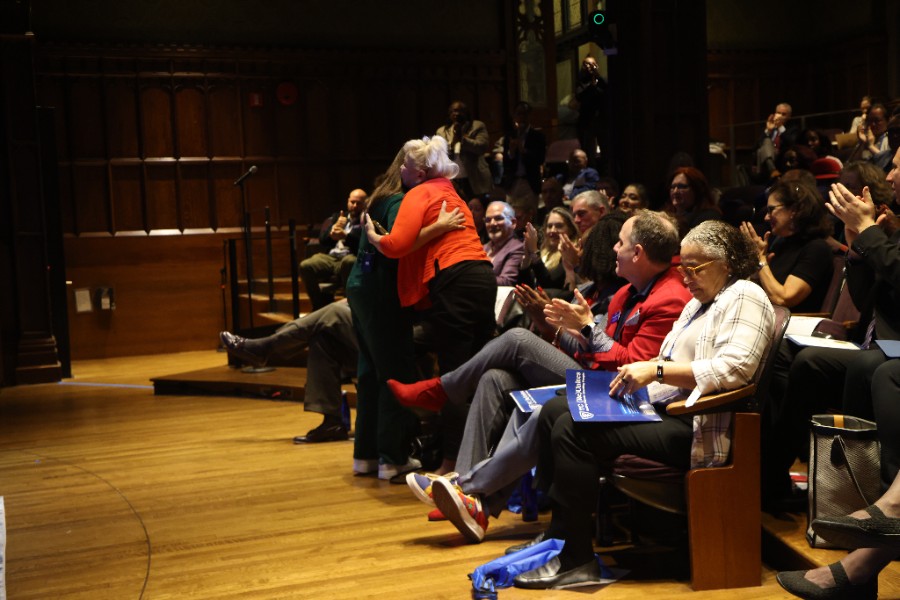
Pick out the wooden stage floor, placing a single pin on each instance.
(112, 492)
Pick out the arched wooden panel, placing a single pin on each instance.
(224, 120)
(289, 130)
(84, 119)
(258, 110)
(122, 138)
(156, 121)
(190, 121)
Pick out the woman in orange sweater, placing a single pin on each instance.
(450, 278)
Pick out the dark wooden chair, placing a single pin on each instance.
(722, 504)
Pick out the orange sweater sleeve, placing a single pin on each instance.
(399, 242)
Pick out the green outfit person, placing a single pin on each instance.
(384, 428)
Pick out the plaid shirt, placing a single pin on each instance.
(737, 329)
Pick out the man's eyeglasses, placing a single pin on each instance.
(495, 218)
(693, 271)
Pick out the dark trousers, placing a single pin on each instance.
(572, 457)
(462, 321)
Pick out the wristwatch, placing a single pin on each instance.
(659, 371)
(587, 331)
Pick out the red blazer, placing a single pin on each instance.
(645, 326)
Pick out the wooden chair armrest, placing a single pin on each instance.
(820, 315)
(718, 402)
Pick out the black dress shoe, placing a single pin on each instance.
(878, 531)
(528, 544)
(548, 576)
(795, 583)
(237, 347)
(323, 433)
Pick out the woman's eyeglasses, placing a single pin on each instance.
(771, 208)
(693, 271)
(679, 186)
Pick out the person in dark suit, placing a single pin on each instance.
(864, 383)
(467, 141)
(523, 149)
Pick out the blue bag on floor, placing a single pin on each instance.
(500, 572)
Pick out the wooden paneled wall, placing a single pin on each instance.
(745, 85)
(151, 139)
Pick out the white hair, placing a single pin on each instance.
(430, 155)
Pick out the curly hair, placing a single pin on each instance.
(718, 239)
(430, 155)
(810, 218)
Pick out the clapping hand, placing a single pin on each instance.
(531, 239)
(761, 243)
(856, 212)
(571, 253)
(571, 316)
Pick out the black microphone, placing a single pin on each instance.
(251, 171)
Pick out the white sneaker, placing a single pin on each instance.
(365, 466)
(389, 471)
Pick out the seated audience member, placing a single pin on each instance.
(610, 187)
(777, 137)
(587, 210)
(450, 279)
(542, 267)
(476, 206)
(635, 197)
(873, 144)
(797, 156)
(329, 335)
(522, 150)
(829, 378)
(816, 141)
(795, 261)
(579, 177)
(873, 532)
(640, 315)
(467, 141)
(860, 119)
(339, 241)
(859, 174)
(691, 200)
(550, 197)
(504, 250)
(597, 251)
(716, 344)
(524, 203)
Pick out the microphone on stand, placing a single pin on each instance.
(251, 171)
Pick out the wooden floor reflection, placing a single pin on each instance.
(114, 493)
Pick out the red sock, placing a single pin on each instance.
(428, 394)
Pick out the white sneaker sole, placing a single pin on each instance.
(417, 491)
(388, 472)
(447, 500)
